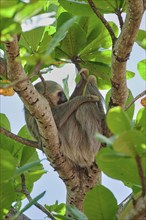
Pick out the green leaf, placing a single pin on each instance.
(110, 6)
(117, 120)
(8, 4)
(74, 41)
(29, 39)
(60, 34)
(140, 122)
(141, 39)
(141, 66)
(32, 202)
(28, 11)
(4, 122)
(103, 40)
(7, 197)
(129, 74)
(118, 166)
(76, 214)
(130, 143)
(7, 165)
(100, 203)
(58, 208)
(98, 56)
(26, 167)
(77, 7)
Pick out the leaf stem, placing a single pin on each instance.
(15, 137)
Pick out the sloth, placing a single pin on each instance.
(77, 119)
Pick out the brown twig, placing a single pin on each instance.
(136, 98)
(120, 18)
(141, 174)
(34, 72)
(104, 21)
(17, 138)
(27, 194)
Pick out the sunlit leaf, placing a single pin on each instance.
(77, 7)
(130, 143)
(129, 74)
(117, 120)
(140, 122)
(141, 38)
(141, 66)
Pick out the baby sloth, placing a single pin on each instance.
(77, 120)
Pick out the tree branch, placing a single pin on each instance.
(104, 21)
(134, 100)
(27, 194)
(134, 211)
(12, 213)
(121, 52)
(39, 107)
(118, 13)
(15, 137)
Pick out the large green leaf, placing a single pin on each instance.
(141, 38)
(74, 41)
(110, 6)
(98, 56)
(29, 39)
(76, 7)
(117, 120)
(141, 66)
(100, 203)
(103, 40)
(131, 143)
(81, 7)
(119, 166)
(60, 34)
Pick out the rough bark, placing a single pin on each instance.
(121, 52)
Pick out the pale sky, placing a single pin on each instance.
(13, 108)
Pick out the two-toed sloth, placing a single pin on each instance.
(77, 120)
